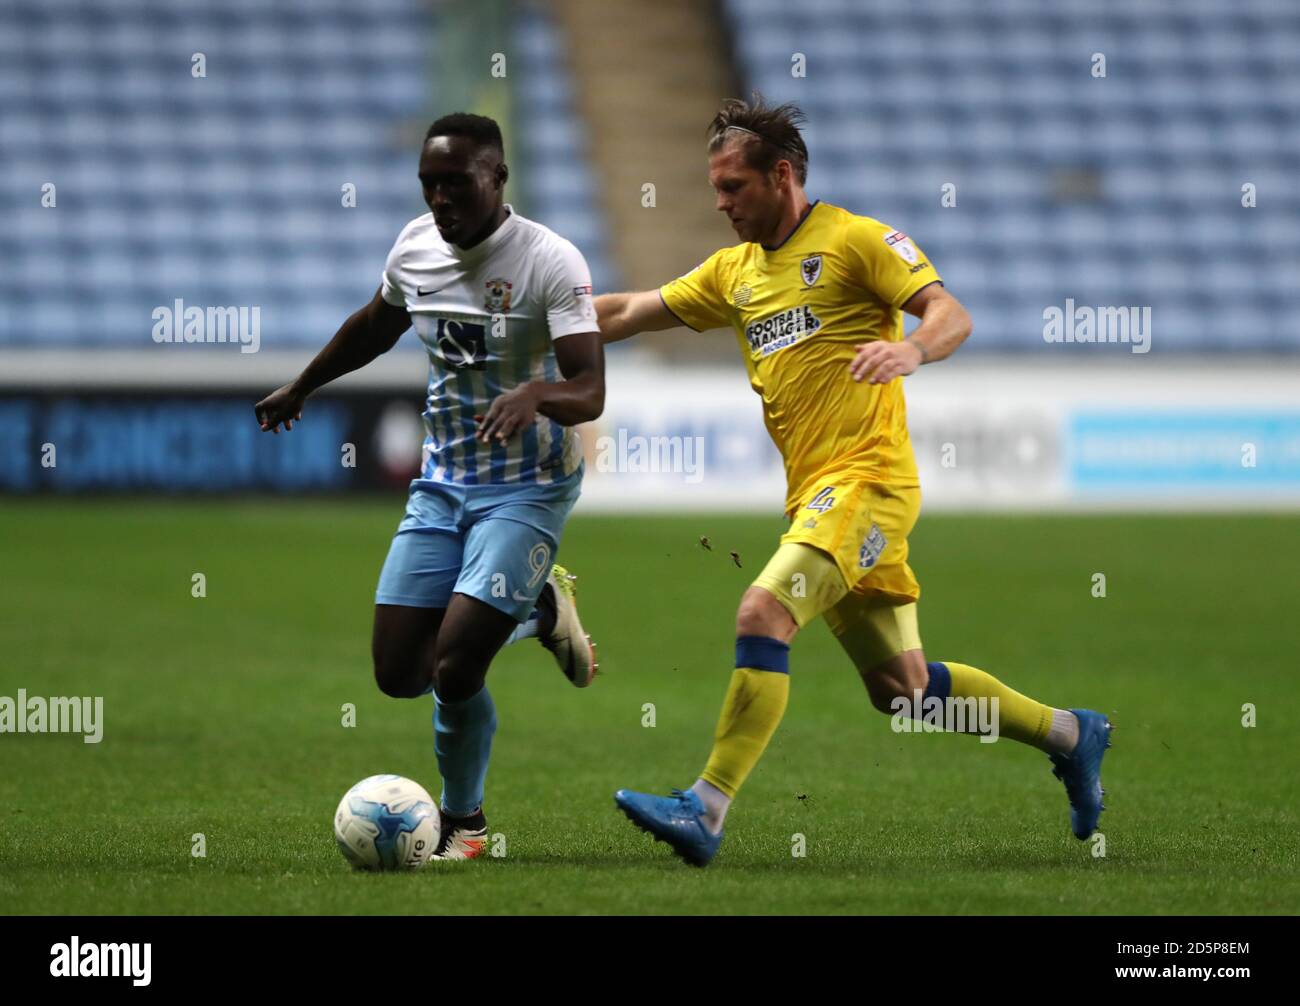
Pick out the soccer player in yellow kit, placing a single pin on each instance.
(815, 295)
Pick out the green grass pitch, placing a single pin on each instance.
(223, 717)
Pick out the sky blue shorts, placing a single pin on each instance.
(492, 542)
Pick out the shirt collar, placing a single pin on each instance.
(806, 214)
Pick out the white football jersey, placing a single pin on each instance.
(487, 317)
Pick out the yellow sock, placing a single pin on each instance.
(751, 713)
(1019, 717)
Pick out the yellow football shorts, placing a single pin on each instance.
(845, 557)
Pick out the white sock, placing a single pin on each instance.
(524, 630)
(715, 803)
(1063, 735)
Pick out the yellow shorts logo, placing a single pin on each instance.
(872, 546)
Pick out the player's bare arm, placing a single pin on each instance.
(623, 315)
(944, 326)
(579, 398)
(368, 333)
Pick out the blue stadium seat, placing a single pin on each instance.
(227, 189)
(1117, 190)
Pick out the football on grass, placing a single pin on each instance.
(386, 822)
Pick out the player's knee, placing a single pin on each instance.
(761, 614)
(397, 684)
(398, 675)
(457, 676)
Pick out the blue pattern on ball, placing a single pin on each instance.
(391, 825)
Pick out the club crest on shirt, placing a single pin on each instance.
(811, 269)
(741, 295)
(497, 299)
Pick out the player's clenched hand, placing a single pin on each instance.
(883, 361)
(283, 405)
(509, 414)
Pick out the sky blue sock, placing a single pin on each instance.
(462, 740)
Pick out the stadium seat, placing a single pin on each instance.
(1124, 189)
(226, 189)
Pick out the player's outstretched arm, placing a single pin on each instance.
(370, 332)
(623, 315)
(579, 398)
(944, 326)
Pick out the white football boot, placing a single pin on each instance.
(461, 837)
(569, 644)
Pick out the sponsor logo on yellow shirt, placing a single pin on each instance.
(782, 330)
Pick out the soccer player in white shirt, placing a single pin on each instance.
(504, 308)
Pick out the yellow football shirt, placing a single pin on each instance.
(799, 310)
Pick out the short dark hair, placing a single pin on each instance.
(483, 131)
(770, 133)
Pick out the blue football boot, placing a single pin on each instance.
(1080, 770)
(677, 820)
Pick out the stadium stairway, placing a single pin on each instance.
(648, 84)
